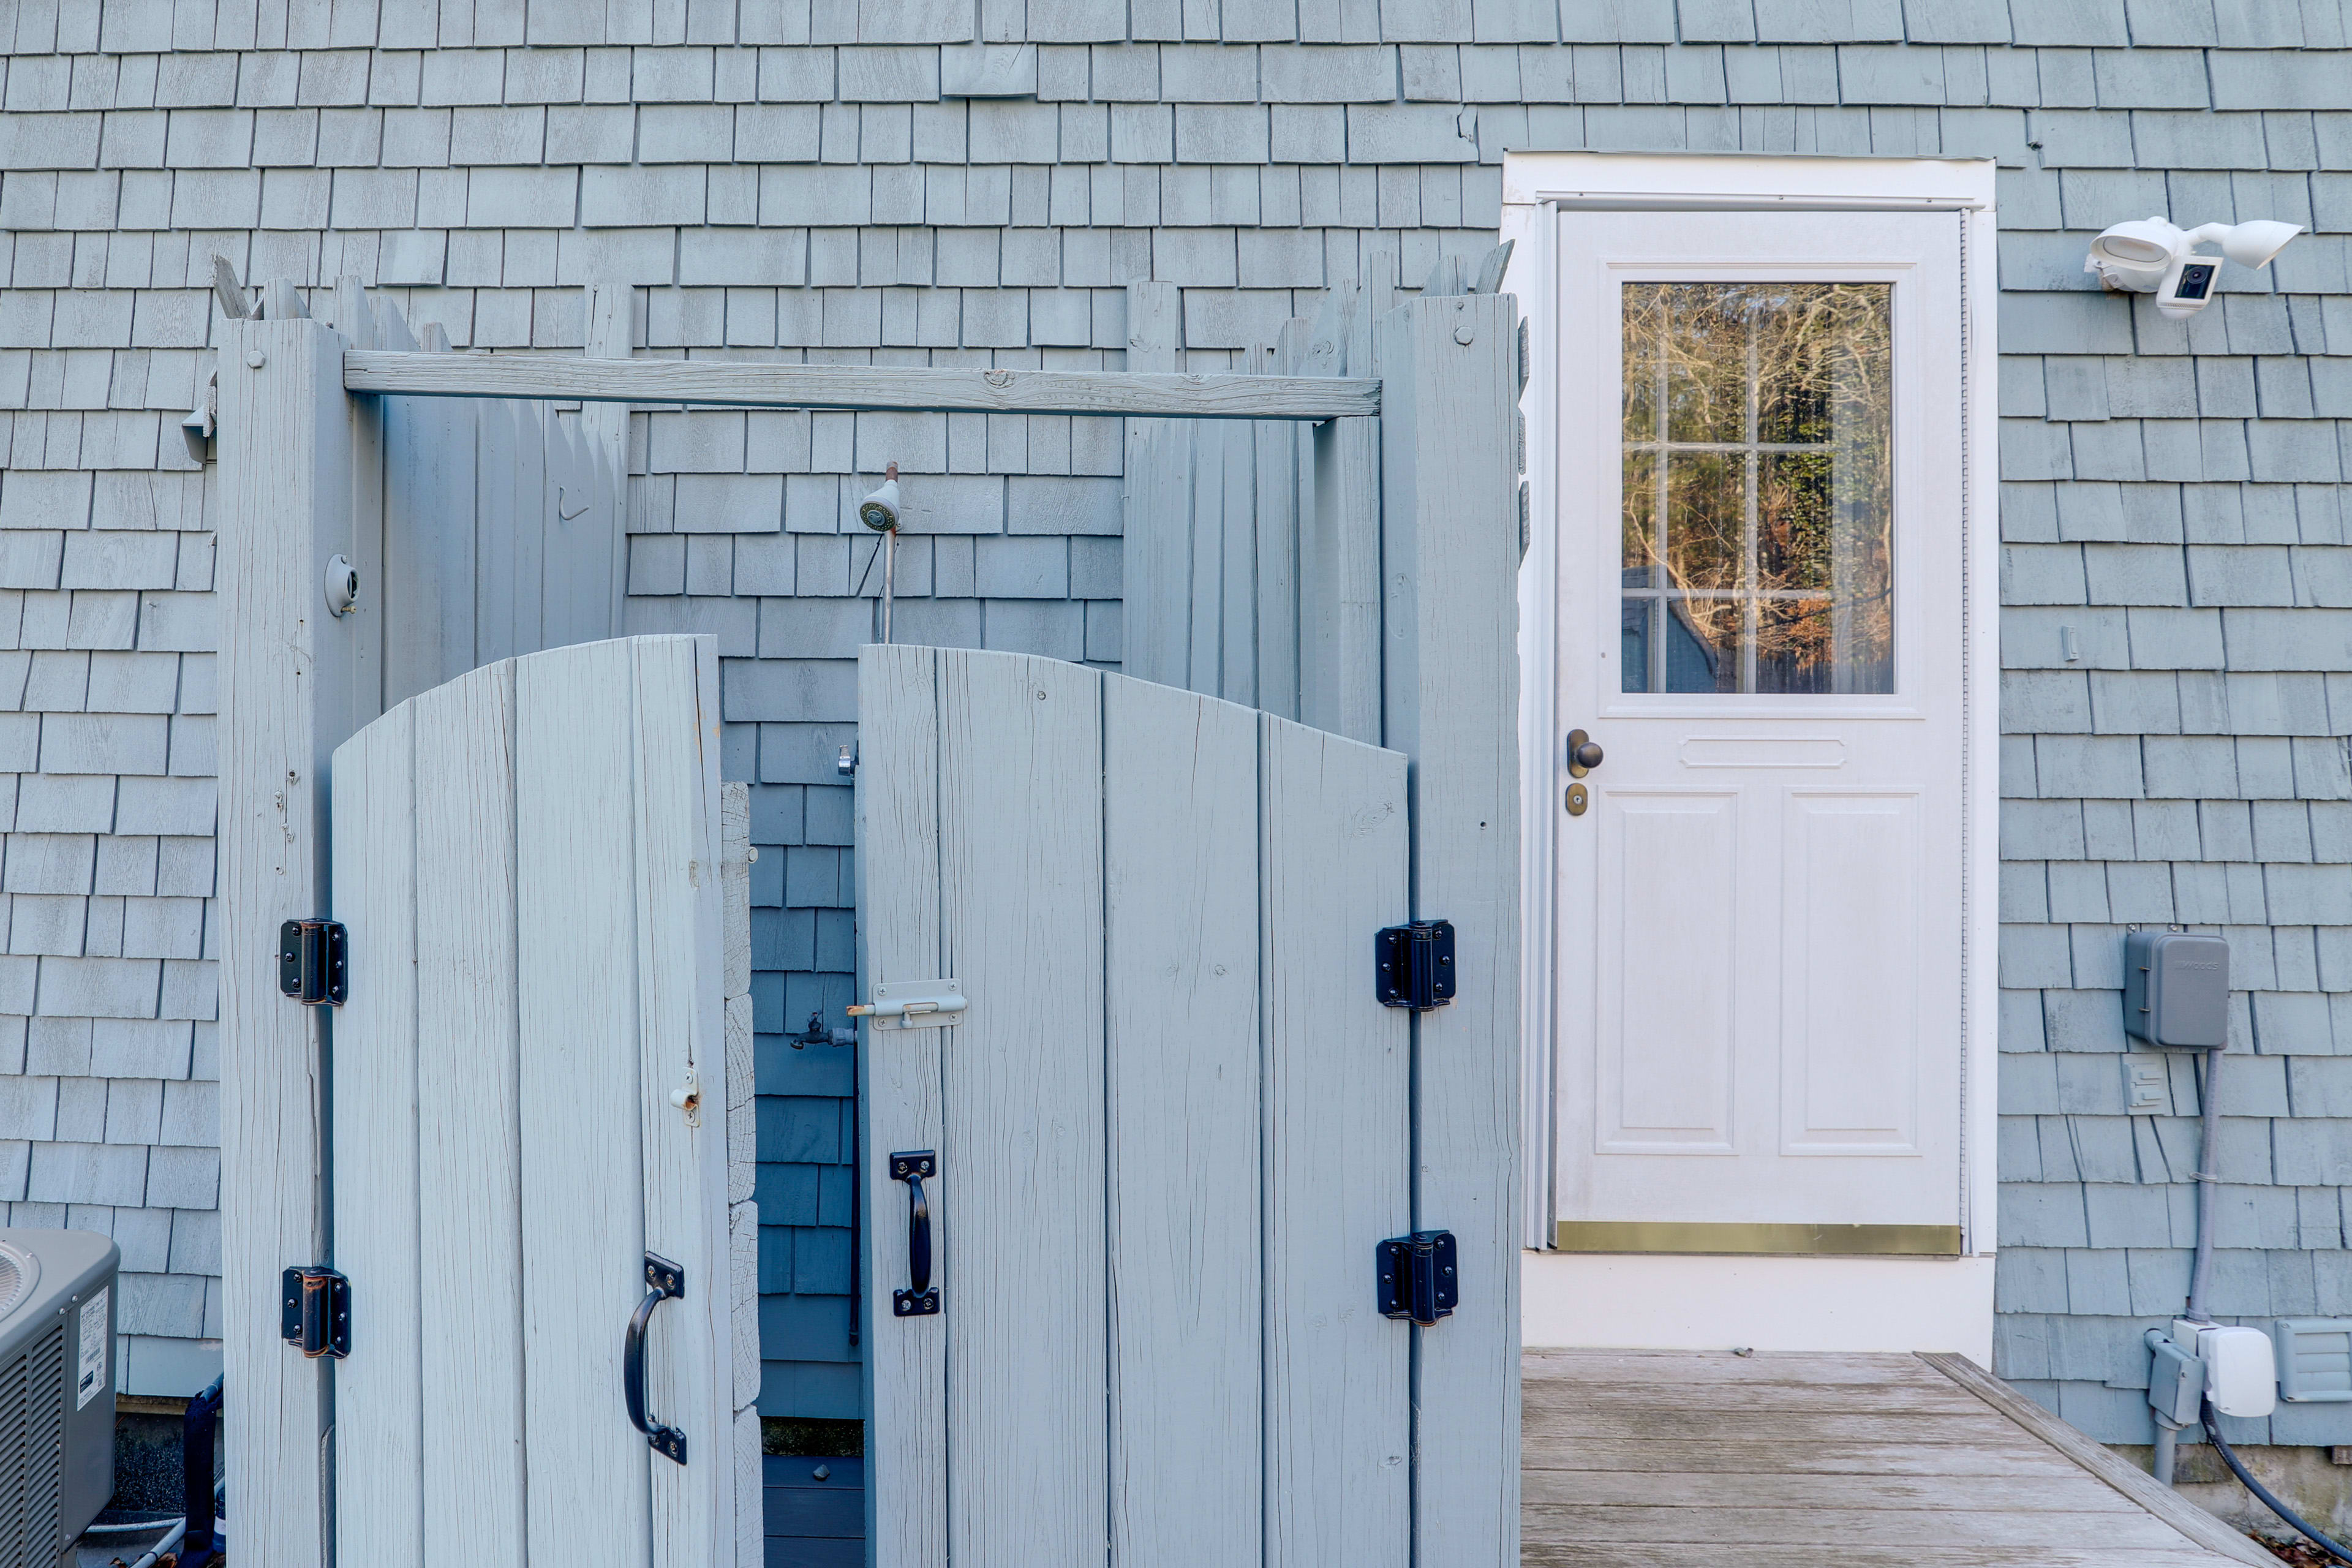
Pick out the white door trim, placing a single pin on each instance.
(1534, 186)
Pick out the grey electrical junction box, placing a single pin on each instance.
(2177, 988)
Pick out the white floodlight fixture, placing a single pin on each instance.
(2155, 256)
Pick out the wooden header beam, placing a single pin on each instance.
(894, 388)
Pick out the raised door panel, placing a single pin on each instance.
(1668, 1015)
(1849, 1030)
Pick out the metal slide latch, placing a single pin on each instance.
(921, 1299)
(1415, 964)
(310, 962)
(315, 1311)
(1416, 1277)
(664, 1280)
(912, 1005)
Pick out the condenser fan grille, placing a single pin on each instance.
(16, 1278)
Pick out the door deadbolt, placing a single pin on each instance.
(1584, 753)
(1578, 799)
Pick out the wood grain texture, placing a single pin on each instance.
(1021, 926)
(379, 1390)
(284, 483)
(876, 387)
(1338, 1152)
(1179, 893)
(1204, 575)
(681, 1044)
(1851, 1459)
(1155, 325)
(582, 1264)
(899, 1088)
(1449, 524)
(1339, 540)
(2126, 1478)
(604, 427)
(470, 1098)
(429, 476)
(356, 319)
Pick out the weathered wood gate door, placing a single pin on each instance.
(1166, 1135)
(526, 859)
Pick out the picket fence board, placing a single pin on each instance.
(1021, 874)
(681, 1040)
(380, 1430)
(470, 1195)
(897, 803)
(578, 964)
(1338, 1153)
(1179, 892)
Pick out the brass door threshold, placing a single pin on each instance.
(1739, 1240)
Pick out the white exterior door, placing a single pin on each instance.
(526, 861)
(1760, 921)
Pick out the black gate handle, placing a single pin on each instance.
(664, 1279)
(922, 1301)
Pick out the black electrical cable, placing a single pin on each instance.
(2230, 1458)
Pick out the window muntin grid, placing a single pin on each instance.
(1757, 525)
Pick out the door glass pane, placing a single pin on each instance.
(1759, 497)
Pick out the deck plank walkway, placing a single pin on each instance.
(1670, 1459)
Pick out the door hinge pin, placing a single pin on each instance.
(311, 962)
(314, 1311)
(1413, 964)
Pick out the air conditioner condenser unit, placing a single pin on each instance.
(57, 1390)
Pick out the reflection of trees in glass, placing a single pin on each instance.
(1758, 522)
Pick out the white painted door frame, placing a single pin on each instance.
(1667, 1301)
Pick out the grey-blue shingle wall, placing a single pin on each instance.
(785, 179)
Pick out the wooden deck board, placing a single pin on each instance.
(1660, 1460)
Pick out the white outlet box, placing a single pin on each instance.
(2241, 1370)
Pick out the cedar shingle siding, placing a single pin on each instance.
(787, 180)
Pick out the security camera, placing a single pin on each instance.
(879, 511)
(2154, 256)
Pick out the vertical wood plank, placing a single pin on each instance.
(1021, 870)
(604, 428)
(681, 1046)
(1204, 642)
(1236, 624)
(1450, 560)
(1338, 1153)
(469, 1103)
(285, 487)
(1155, 325)
(379, 1418)
(357, 322)
(1180, 955)
(898, 869)
(496, 634)
(1157, 570)
(431, 502)
(582, 1262)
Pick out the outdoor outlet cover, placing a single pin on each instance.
(2148, 1089)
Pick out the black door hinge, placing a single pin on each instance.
(1413, 964)
(1417, 1277)
(310, 964)
(315, 1312)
